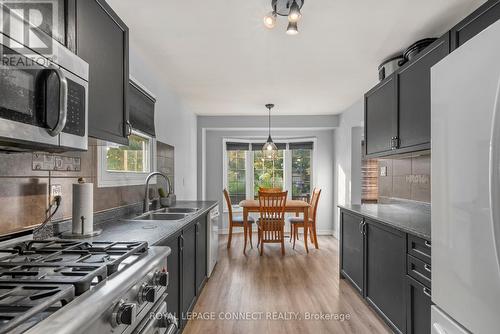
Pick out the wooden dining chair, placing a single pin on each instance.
(298, 222)
(271, 224)
(236, 221)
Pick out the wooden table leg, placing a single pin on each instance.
(245, 228)
(306, 226)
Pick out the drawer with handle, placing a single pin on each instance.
(419, 248)
(419, 270)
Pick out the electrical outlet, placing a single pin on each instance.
(55, 190)
(383, 171)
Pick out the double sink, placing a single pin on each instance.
(168, 214)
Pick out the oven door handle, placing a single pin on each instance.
(170, 322)
(63, 102)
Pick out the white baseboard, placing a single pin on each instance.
(240, 230)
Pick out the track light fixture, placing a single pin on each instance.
(290, 9)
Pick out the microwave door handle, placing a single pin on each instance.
(494, 171)
(63, 102)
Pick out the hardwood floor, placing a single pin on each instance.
(300, 283)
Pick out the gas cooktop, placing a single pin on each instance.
(37, 278)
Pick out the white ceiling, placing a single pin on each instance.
(220, 60)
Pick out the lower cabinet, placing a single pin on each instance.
(351, 243)
(385, 273)
(187, 268)
(174, 275)
(201, 255)
(378, 260)
(418, 307)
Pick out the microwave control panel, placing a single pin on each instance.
(75, 122)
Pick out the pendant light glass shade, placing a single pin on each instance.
(270, 20)
(269, 150)
(292, 29)
(294, 15)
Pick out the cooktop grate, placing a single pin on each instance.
(24, 305)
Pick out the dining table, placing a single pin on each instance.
(292, 206)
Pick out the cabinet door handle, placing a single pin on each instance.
(361, 227)
(427, 243)
(427, 292)
(129, 129)
(181, 242)
(427, 267)
(364, 228)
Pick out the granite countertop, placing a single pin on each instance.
(151, 231)
(412, 219)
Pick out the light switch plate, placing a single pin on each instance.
(383, 171)
(55, 190)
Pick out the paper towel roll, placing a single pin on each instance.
(83, 208)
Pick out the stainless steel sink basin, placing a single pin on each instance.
(162, 216)
(180, 210)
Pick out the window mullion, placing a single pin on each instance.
(250, 174)
(287, 172)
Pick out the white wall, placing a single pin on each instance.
(174, 124)
(347, 179)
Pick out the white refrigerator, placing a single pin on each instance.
(465, 122)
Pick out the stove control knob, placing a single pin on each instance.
(125, 313)
(161, 278)
(147, 293)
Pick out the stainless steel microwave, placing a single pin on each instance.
(43, 98)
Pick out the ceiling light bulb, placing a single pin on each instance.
(292, 28)
(270, 20)
(294, 15)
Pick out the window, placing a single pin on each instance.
(267, 173)
(236, 176)
(301, 173)
(120, 165)
(246, 170)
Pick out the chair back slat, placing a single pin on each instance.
(269, 190)
(313, 209)
(229, 206)
(272, 214)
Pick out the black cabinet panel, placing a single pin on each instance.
(351, 244)
(472, 25)
(385, 273)
(174, 276)
(188, 267)
(201, 253)
(381, 116)
(102, 41)
(414, 96)
(418, 308)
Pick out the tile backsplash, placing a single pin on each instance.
(405, 178)
(24, 192)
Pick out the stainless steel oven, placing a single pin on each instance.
(43, 96)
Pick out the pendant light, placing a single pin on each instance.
(269, 150)
(285, 8)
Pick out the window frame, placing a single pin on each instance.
(249, 158)
(107, 178)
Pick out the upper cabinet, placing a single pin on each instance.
(475, 23)
(398, 109)
(414, 97)
(381, 117)
(100, 38)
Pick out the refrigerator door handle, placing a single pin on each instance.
(438, 329)
(494, 170)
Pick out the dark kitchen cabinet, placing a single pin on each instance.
(188, 246)
(418, 308)
(174, 275)
(476, 22)
(414, 97)
(351, 245)
(385, 273)
(201, 254)
(100, 38)
(381, 117)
